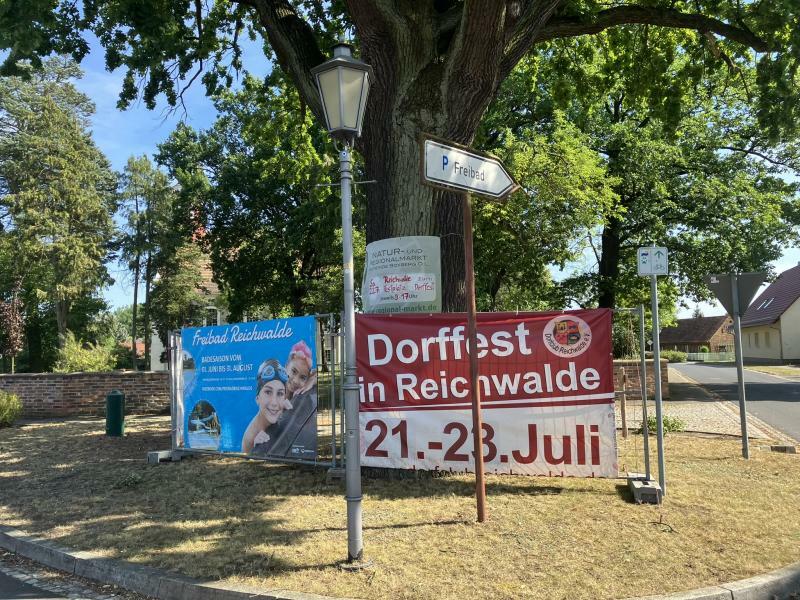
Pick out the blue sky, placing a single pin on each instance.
(137, 131)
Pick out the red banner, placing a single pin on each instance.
(545, 381)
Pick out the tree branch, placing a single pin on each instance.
(563, 27)
(293, 41)
(766, 157)
(525, 30)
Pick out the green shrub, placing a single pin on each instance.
(624, 340)
(674, 356)
(79, 356)
(704, 349)
(670, 424)
(10, 408)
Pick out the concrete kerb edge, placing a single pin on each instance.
(136, 578)
(171, 586)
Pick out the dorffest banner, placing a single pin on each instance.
(545, 382)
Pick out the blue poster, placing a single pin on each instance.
(251, 388)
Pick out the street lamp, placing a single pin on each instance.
(343, 83)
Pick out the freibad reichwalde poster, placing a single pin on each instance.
(251, 388)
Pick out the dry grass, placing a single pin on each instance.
(782, 370)
(283, 527)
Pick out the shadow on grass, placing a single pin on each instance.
(624, 493)
(208, 517)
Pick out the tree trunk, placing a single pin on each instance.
(62, 310)
(609, 264)
(148, 281)
(33, 334)
(135, 307)
(398, 205)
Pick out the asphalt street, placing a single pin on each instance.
(775, 400)
(13, 589)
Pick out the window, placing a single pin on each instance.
(749, 341)
(766, 339)
(765, 303)
(755, 339)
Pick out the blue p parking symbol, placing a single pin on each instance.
(444, 161)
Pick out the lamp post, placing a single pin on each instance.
(343, 84)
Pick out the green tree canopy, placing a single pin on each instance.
(250, 184)
(58, 192)
(438, 66)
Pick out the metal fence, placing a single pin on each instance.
(710, 356)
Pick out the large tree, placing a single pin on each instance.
(147, 203)
(692, 169)
(438, 64)
(57, 191)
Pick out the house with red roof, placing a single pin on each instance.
(699, 334)
(771, 324)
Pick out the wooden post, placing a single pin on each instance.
(622, 408)
(472, 334)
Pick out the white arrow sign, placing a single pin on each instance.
(460, 168)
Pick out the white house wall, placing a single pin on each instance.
(790, 332)
(761, 342)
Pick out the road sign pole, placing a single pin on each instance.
(737, 343)
(472, 334)
(657, 376)
(643, 387)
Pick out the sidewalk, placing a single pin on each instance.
(702, 412)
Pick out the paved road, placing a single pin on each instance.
(775, 400)
(13, 589)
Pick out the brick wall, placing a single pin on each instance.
(46, 395)
(84, 394)
(632, 386)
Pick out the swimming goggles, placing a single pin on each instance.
(268, 372)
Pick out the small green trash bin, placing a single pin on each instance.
(115, 413)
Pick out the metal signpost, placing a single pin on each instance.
(651, 262)
(451, 166)
(735, 291)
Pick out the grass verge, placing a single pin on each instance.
(782, 370)
(279, 527)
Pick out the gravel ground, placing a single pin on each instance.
(59, 582)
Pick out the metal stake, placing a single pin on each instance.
(737, 343)
(657, 373)
(643, 387)
(333, 386)
(472, 334)
(355, 547)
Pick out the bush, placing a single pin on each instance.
(79, 356)
(674, 356)
(670, 424)
(10, 408)
(704, 350)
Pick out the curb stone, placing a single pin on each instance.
(781, 584)
(136, 578)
